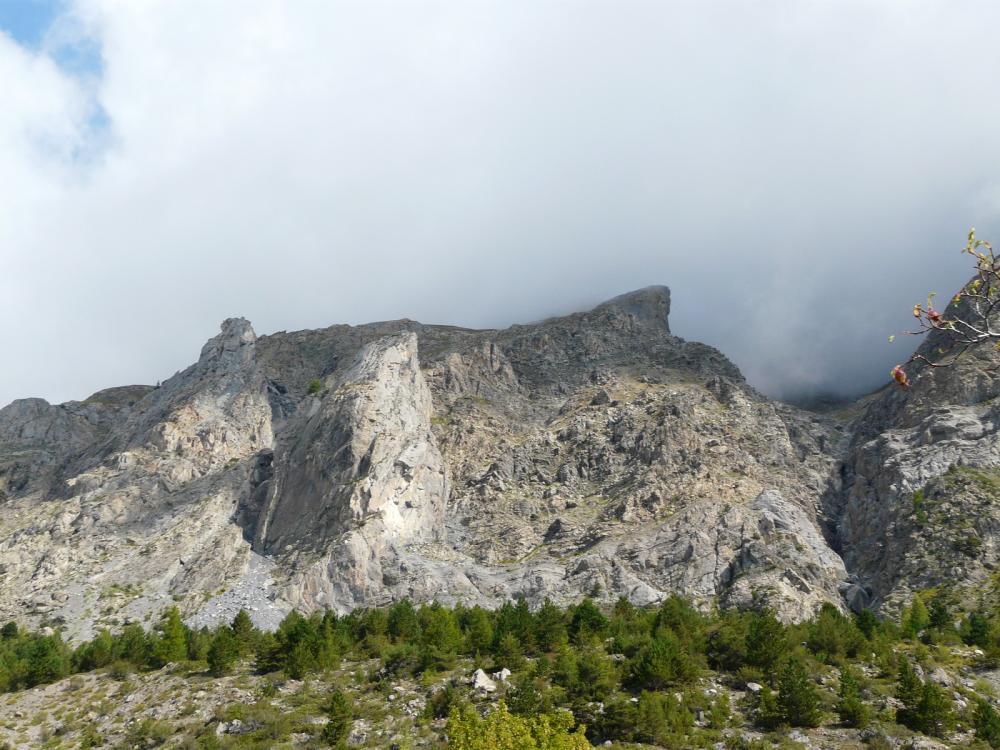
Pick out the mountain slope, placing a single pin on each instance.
(595, 453)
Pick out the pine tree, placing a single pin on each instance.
(767, 713)
(97, 653)
(340, 716)
(939, 614)
(133, 645)
(916, 618)
(797, 695)
(173, 643)
(933, 714)
(766, 641)
(223, 652)
(867, 623)
(720, 712)
(45, 660)
(909, 689)
(550, 627)
(851, 707)
(598, 676)
(299, 645)
(976, 630)
(663, 662)
(478, 631)
(508, 652)
(986, 721)
(244, 632)
(587, 620)
(403, 623)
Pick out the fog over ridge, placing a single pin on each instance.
(798, 173)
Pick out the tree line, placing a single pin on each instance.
(620, 673)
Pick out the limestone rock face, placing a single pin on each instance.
(921, 500)
(361, 478)
(133, 510)
(591, 454)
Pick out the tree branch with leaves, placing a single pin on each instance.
(973, 309)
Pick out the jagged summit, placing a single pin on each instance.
(235, 336)
(650, 304)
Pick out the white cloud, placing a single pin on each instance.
(796, 172)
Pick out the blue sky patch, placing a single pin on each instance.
(28, 20)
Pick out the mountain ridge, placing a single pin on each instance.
(592, 453)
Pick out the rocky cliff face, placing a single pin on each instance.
(921, 505)
(595, 453)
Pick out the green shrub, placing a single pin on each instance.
(502, 730)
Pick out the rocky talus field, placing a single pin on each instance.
(595, 455)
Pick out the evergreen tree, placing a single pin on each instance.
(223, 653)
(133, 645)
(268, 654)
(939, 613)
(867, 623)
(478, 629)
(300, 659)
(933, 714)
(986, 721)
(916, 617)
(340, 716)
(441, 637)
(172, 645)
(976, 630)
(851, 707)
(508, 653)
(727, 642)
(909, 689)
(687, 624)
(403, 624)
(45, 660)
(299, 645)
(833, 636)
(530, 696)
(661, 717)
(97, 653)
(663, 662)
(766, 641)
(198, 643)
(550, 627)
(720, 712)
(597, 674)
(767, 713)
(565, 671)
(926, 706)
(244, 632)
(587, 620)
(798, 698)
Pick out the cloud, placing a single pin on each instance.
(798, 173)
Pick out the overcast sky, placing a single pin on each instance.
(799, 173)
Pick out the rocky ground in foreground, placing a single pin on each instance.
(181, 706)
(408, 677)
